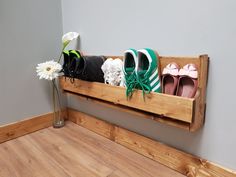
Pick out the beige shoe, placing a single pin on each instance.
(188, 81)
(170, 77)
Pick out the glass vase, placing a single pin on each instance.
(58, 119)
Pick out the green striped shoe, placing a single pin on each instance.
(147, 71)
(129, 65)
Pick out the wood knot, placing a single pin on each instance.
(191, 171)
(76, 85)
(151, 154)
(9, 134)
(203, 162)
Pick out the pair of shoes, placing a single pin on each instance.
(181, 82)
(83, 67)
(113, 73)
(141, 71)
(71, 62)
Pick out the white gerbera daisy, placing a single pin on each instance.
(48, 70)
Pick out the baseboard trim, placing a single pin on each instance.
(26, 126)
(185, 163)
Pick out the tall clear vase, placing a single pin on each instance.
(58, 119)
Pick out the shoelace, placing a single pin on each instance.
(131, 82)
(66, 69)
(143, 82)
(70, 71)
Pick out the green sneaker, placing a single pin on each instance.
(129, 65)
(147, 71)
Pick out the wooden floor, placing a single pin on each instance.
(74, 151)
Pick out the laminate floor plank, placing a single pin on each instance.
(74, 151)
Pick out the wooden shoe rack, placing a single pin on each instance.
(185, 113)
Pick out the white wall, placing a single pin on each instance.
(173, 28)
(30, 33)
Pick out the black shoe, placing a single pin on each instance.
(89, 68)
(65, 66)
(75, 58)
(71, 62)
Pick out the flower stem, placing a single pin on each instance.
(59, 60)
(54, 102)
(54, 98)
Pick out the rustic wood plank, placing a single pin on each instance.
(142, 114)
(182, 162)
(170, 106)
(23, 127)
(200, 104)
(91, 123)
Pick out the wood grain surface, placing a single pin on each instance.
(175, 107)
(173, 158)
(74, 151)
(28, 125)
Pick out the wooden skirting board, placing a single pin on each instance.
(29, 125)
(182, 162)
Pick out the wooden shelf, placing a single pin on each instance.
(173, 110)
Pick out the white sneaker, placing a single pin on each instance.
(113, 73)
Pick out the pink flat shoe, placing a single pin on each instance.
(170, 78)
(188, 83)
